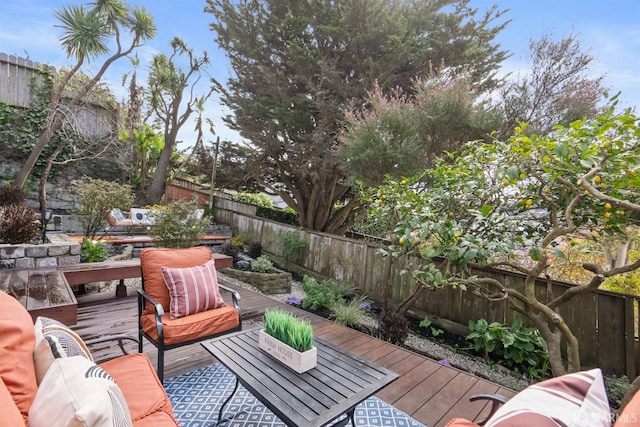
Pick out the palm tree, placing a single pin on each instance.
(88, 32)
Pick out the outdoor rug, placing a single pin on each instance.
(196, 397)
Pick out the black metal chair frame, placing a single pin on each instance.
(144, 297)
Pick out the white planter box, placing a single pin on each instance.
(290, 357)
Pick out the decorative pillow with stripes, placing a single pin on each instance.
(55, 340)
(572, 400)
(192, 289)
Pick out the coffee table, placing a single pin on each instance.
(334, 388)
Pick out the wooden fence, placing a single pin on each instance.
(604, 322)
(93, 118)
(16, 76)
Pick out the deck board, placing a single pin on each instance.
(428, 391)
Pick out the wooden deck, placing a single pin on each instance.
(428, 391)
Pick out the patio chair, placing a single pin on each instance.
(115, 218)
(180, 302)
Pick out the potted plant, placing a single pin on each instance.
(289, 340)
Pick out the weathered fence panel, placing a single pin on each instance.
(16, 76)
(604, 322)
(91, 118)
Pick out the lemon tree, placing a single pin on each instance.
(493, 202)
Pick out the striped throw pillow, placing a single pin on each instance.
(572, 400)
(192, 289)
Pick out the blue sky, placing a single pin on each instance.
(609, 30)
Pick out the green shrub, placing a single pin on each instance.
(97, 198)
(318, 295)
(515, 347)
(12, 195)
(285, 216)
(237, 241)
(262, 264)
(256, 199)
(93, 250)
(616, 388)
(350, 313)
(285, 327)
(291, 244)
(18, 224)
(176, 226)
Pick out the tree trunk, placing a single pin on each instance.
(44, 139)
(156, 189)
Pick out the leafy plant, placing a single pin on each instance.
(350, 313)
(342, 289)
(427, 323)
(18, 224)
(393, 327)
(616, 388)
(262, 264)
(12, 195)
(256, 199)
(292, 331)
(97, 197)
(318, 295)
(177, 226)
(515, 347)
(93, 250)
(237, 241)
(292, 244)
(243, 265)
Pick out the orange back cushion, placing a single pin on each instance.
(153, 259)
(17, 341)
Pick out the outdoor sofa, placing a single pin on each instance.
(48, 378)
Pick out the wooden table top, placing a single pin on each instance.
(338, 384)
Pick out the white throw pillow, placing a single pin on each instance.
(77, 392)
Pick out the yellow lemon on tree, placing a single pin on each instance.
(597, 179)
(402, 240)
(607, 206)
(607, 214)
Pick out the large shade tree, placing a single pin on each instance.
(297, 64)
(494, 204)
(104, 30)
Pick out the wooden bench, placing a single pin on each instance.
(81, 274)
(43, 292)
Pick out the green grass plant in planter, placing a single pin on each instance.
(285, 327)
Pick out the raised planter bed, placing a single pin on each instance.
(275, 282)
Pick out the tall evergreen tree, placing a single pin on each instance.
(298, 64)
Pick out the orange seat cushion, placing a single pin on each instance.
(192, 327)
(153, 259)
(140, 386)
(17, 341)
(159, 419)
(9, 413)
(630, 415)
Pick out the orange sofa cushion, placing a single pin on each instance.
(17, 341)
(140, 386)
(192, 327)
(9, 413)
(153, 259)
(630, 415)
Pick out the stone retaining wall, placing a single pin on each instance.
(278, 282)
(61, 250)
